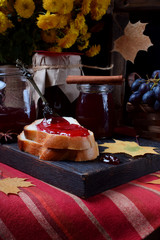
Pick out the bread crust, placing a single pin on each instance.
(58, 141)
(51, 154)
(28, 146)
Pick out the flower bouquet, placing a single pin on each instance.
(50, 25)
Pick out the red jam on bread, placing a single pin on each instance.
(60, 126)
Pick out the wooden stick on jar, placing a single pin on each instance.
(111, 80)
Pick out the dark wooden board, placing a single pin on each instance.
(83, 179)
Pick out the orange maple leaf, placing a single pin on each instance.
(132, 41)
(11, 185)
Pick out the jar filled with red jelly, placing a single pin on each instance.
(17, 107)
(95, 109)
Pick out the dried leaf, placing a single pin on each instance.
(11, 185)
(128, 147)
(132, 41)
(156, 174)
(157, 181)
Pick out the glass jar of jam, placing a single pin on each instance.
(17, 107)
(95, 109)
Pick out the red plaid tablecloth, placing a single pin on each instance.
(42, 212)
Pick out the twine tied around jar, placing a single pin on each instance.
(38, 68)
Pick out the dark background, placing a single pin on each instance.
(147, 61)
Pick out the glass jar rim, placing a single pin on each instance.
(95, 87)
(9, 70)
(3, 74)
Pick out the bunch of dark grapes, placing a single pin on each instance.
(147, 91)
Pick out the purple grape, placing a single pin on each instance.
(135, 98)
(143, 88)
(156, 74)
(157, 92)
(136, 84)
(150, 85)
(149, 97)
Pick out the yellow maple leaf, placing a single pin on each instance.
(11, 185)
(128, 147)
(156, 181)
(132, 41)
(156, 174)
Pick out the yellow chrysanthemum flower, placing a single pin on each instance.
(86, 36)
(55, 49)
(6, 7)
(86, 6)
(84, 29)
(63, 20)
(49, 36)
(80, 21)
(5, 23)
(81, 48)
(3, 3)
(93, 51)
(52, 5)
(66, 6)
(60, 23)
(49, 21)
(71, 25)
(99, 8)
(25, 8)
(69, 39)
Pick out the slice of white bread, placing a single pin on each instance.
(48, 154)
(59, 141)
